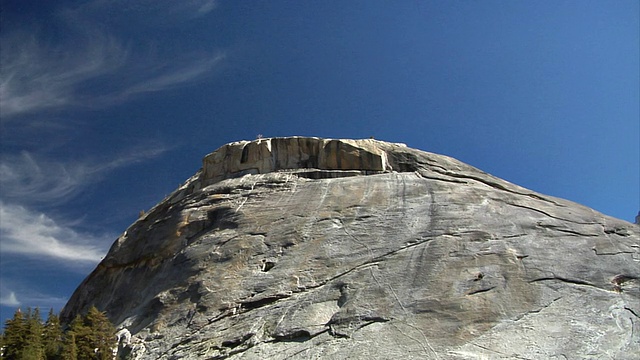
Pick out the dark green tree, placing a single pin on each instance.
(25, 337)
(91, 337)
(33, 348)
(69, 349)
(75, 341)
(52, 338)
(101, 334)
(14, 337)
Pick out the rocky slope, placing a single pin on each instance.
(297, 248)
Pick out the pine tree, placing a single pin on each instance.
(52, 337)
(33, 348)
(69, 348)
(25, 337)
(101, 333)
(76, 346)
(14, 337)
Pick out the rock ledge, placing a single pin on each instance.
(272, 154)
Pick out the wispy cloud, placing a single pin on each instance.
(29, 233)
(167, 79)
(37, 76)
(93, 66)
(205, 7)
(179, 10)
(129, 157)
(28, 179)
(9, 299)
(150, 12)
(24, 177)
(89, 56)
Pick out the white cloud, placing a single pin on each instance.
(93, 67)
(9, 299)
(25, 180)
(37, 76)
(25, 294)
(167, 79)
(29, 233)
(79, 58)
(131, 156)
(182, 10)
(28, 178)
(156, 12)
(205, 7)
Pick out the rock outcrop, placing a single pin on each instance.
(298, 248)
(331, 157)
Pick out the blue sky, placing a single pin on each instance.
(107, 106)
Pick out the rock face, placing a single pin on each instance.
(269, 155)
(298, 248)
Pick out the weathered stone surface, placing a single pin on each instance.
(269, 155)
(423, 258)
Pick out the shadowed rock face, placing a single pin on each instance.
(311, 248)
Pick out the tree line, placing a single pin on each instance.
(27, 337)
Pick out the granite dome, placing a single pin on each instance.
(313, 248)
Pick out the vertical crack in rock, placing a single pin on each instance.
(632, 312)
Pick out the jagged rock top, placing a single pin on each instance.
(280, 249)
(272, 154)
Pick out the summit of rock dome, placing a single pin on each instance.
(273, 154)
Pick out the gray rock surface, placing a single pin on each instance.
(304, 248)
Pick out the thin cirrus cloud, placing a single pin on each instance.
(38, 77)
(94, 59)
(166, 79)
(93, 67)
(30, 179)
(28, 233)
(27, 180)
(180, 10)
(24, 177)
(31, 234)
(150, 12)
